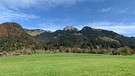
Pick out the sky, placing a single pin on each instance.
(113, 15)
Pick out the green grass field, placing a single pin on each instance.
(67, 64)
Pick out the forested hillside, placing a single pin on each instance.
(86, 38)
(13, 37)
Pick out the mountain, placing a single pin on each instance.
(34, 32)
(13, 37)
(69, 28)
(10, 29)
(48, 36)
(86, 38)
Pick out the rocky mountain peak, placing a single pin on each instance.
(69, 28)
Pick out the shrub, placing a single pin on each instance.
(114, 52)
(126, 51)
(93, 51)
(48, 51)
(55, 51)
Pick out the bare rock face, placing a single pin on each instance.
(69, 28)
(35, 31)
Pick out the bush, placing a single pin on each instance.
(126, 51)
(93, 51)
(114, 52)
(55, 51)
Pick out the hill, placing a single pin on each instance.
(13, 37)
(86, 38)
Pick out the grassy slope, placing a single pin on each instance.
(64, 64)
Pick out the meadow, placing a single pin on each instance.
(67, 64)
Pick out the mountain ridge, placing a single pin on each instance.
(88, 36)
(13, 37)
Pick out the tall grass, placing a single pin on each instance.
(67, 64)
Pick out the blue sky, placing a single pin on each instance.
(114, 15)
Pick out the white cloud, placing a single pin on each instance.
(125, 10)
(52, 24)
(104, 10)
(13, 9)
(121, 28)
(15, 4)
(9, 15)
(49, 26)
(125, 30)
(10, 10)
(88, 10)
